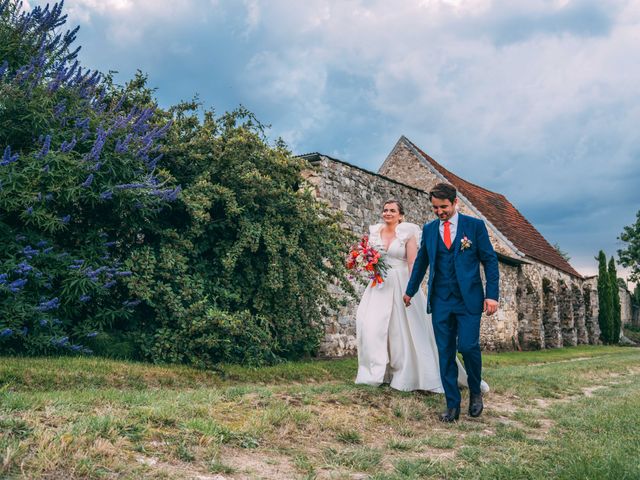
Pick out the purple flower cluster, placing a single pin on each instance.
(17, 285)
(87, 183)
(83, 124)
(94, 275)
(60, 342)
(122, 145)
(7, 157)
(132, 186)
(48, 305)
(46, 146)
(59, 109)
(29, 252)
(66, 147)
(98, 145)
(62, 75)
(23, 268)
(168, 195)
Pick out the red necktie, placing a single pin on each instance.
(447, 234)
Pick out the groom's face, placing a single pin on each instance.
(443, 208)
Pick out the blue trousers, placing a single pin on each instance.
(453, 324)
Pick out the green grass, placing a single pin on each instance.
(66, 373)
(360, 459)
(349, 437)
(98, 418)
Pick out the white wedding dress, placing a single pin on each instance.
(396, 344)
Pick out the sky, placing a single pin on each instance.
(536, 99)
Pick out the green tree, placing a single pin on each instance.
(605, 300)
(615, 302)
(630, 255)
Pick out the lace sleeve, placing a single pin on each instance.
(406, 230)
(374, 234)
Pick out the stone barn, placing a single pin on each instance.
(544, 302)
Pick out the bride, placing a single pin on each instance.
(396, 344)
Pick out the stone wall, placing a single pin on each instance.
(590, 289)
(360, 194)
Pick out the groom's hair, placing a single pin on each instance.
(443, 191)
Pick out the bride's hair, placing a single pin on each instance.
(400, 207)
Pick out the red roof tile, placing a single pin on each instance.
(506, 218)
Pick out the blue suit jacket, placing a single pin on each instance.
(466, 262)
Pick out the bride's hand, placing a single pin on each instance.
(407, 300)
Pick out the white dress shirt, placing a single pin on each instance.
(453, 227)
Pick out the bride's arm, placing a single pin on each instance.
(412, 250)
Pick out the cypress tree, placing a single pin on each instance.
(605, 300)
(616, 323)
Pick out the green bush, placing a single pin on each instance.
(244, 238)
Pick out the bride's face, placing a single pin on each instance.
(391, 213)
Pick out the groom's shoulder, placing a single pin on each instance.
(430, 224)
(472, 220)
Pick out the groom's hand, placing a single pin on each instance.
(407, 300)
(490, 306)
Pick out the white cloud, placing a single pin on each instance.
(253, 15)
(129, 20)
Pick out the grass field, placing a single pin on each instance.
(570, 413)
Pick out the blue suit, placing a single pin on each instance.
(455, 296)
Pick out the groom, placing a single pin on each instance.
(454, 246)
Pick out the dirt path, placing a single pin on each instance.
(389, 427)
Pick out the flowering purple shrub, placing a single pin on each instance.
(169, 236)
(72, 146)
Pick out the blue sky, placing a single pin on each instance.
(534, 99)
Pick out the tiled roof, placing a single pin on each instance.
(506, 218)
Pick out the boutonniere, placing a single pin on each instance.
(465, 243)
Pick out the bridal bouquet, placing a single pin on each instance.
(363, 258)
